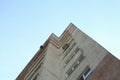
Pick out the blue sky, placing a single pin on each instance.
(26, 24)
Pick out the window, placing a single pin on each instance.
(65, 46)
(75, 65)
(77, 49)
(81, 78)
(85, 73)
(81, 57)
(72, 45)
(72, 55)
(69, 71)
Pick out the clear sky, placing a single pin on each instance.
(26, 24)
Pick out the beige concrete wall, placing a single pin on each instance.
(51, 64)
(92, 51)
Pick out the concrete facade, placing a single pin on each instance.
(72, 56)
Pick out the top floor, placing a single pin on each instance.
(73, 47)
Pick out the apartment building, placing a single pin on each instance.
(72, 56)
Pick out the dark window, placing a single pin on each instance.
(69, 71)
(81, 78)
(87, 72)
(65, 46)
(76, 50)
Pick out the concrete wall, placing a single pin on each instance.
(51, 64)
(93, 54)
